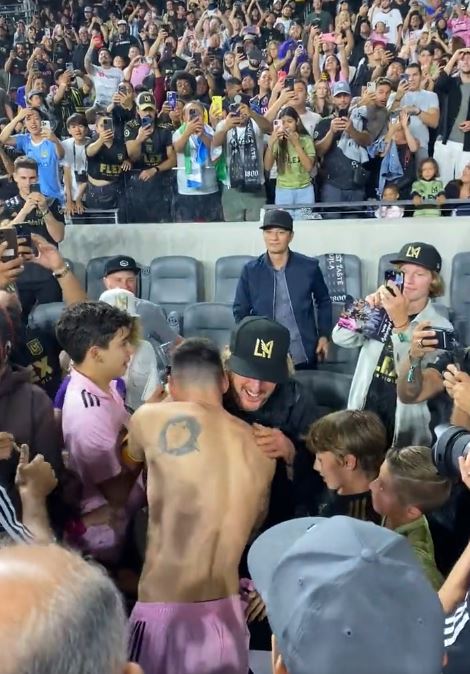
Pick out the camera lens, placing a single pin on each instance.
(452, 442)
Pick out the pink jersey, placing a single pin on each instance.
(91, 422)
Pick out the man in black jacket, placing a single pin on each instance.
(452, 149)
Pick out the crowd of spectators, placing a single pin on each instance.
(208, 111)
(167, 509)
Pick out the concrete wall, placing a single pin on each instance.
(369, 239)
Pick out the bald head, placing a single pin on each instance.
(59, 614)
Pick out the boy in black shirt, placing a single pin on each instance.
(349, 447)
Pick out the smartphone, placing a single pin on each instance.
(122, 89)
(69, 66)
(289, 83)
(277, 124)
(45, 124)
(35, 187)
(234, 109)
(193, 114)
(396, 277)
(9, 235)
(147, 121)
(197, 58)
(108, 124)
(281, 76)
(216, 105)
(47, 32)
(21, 234)
(445, 339)
(171, 99)
(371, 87)
(343, 113)
(404, 78)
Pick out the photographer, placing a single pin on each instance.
(75, 163)
(375, 378)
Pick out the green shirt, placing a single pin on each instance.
(294, 176)
(427, 189)
(419, 537)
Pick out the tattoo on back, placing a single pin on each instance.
(180, 435)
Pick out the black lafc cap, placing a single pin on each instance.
(276, 217)
(259, 349)
(422, 254)
(120, 263)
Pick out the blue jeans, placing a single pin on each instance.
(295, 200)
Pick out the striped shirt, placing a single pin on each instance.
(10, 527)
(457, 639)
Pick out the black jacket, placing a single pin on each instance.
(450, 97)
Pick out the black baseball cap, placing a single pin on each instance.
(422, 254)
(259, 349)
(120, 263)
(276, 217)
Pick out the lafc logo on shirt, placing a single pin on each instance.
(413, 252)
(34, 347)
(263, 349)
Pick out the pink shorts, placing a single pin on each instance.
(209, 637)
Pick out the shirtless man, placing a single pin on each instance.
(207, 489)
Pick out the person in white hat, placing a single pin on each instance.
(141, 377)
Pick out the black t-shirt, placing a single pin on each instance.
(121, 46)
(358, 506)
(5, 48)
(41, 351)
(336, 168)
(61, 54)
(107, 163)
(269, 34)
(17, 72)
(171, 65)
(457, 639)
(153, 149)
(34, 221)
(382, 393)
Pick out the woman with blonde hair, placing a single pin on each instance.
(320, 100)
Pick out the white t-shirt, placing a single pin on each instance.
(106, 82)
(76, 161)
(424, 100)
(142, 375)
(204, 174)
(240, 132)
(392, 20)
(310, 119)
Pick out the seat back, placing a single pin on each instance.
(227, 273)
(175, 282)
(331, 389)
(460, 295)
(44, 317)
(213, 320)
(343, 275)
(339, 359)
(94, 277)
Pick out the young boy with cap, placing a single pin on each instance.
(407, 487)
(375, 378)
(349, 447)
(346, 597)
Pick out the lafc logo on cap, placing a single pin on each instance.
(124, 263)
(413, 252)
(263, 349)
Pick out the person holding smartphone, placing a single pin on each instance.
(36, 214)
(107, 159)
(374, 385)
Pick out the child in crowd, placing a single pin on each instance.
(349, 447)
(292, 149)
(408, 486)
(390, 194)
(428, 186)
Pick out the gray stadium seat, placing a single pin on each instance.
(460, 295)
(213, 320)
(45, 316)
(227, 273)
(331, 389)
(339, 359)
(342, 274)
(175, 282)
(94, 277)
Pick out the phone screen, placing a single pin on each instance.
(9, 235)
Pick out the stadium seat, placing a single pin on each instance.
(45, 316)
(339, 359)
(94, 277)
(460, 295)
(342, 274)
(227, 273)
(175, 282)
(213, 320)
(331, 389)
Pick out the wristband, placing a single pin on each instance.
(62, 272)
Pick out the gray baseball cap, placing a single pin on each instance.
(347, 597)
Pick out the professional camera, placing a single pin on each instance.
(452, 442)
